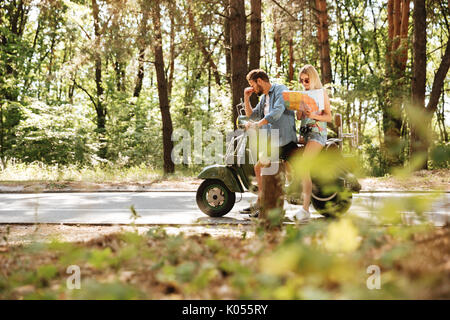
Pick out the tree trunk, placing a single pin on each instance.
(238, 53)
(440, 114)
(17, 15)
(277, 38)
(418, 132)
(142, 43)
(291, 59)
(396, 57)
(421, 119)
(172, 52)
(227, 42)
(2, 139)
(438, 81)
(324, 44)
(100, 108)
(272, 199)
(164, 106)
(140, 74)
(255, 35)
(255, 40)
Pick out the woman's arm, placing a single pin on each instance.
(326, 113)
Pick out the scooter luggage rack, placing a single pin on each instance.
(241, 142)
(353, 135)
(240, 150)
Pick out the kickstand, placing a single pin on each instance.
(239, 199)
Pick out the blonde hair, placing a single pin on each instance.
(314, 78)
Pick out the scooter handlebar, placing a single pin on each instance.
(241, 122)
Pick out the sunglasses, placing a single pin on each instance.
(304, 81)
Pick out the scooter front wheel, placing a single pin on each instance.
(214, 198)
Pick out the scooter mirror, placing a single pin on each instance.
(240, 108)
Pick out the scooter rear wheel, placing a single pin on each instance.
(214, 198)
(333, 206)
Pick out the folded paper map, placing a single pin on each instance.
(312, 100)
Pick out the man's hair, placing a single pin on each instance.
(257, 73)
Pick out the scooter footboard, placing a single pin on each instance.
(222, 173)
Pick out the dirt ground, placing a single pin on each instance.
(425, 269)
(20, 234)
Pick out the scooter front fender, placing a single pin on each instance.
(224, 174)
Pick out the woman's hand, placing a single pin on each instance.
(308, 113)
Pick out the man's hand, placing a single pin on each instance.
(251, 125)
(248, 108)
(248, 92)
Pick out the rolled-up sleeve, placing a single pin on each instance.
(278, 105)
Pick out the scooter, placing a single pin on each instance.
(216, 195)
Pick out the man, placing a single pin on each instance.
(270, 113)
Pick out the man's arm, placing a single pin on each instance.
(248, 107)
(278, 106)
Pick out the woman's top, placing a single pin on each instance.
(316, 126)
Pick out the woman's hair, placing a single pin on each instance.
(314, 78)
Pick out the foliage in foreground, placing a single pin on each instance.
(322, 260)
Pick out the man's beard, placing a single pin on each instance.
(260, 90)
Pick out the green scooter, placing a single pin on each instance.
(216, 195)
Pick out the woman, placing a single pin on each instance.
(314, 132)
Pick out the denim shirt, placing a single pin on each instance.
(278, 117)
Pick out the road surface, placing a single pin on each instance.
(179, 208)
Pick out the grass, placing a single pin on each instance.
(59, 177)
(38, 171)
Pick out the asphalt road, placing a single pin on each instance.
(179, 208)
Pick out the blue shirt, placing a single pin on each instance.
(278, 117)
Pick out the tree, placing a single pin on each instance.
(238, 53)
(98, 103)
(277, 39)
(322, 37)
(13, 50)
(163, 93)
(418, 81)
(201, 43)
(420, 116)
(142, 42)
(255, 41)
(255, 35)
(396, 58)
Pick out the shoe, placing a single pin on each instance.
(249, 209)
(302, 215)
(254, 213)
(246, 210)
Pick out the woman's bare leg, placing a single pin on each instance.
(312, 149)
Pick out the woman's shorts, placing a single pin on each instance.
(315, 136)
